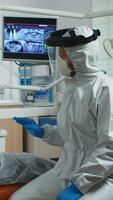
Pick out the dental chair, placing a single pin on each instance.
(7, 190)
(17, 175)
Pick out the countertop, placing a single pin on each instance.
(9, 103)
(10, 112)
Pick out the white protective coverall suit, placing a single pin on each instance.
(84, 131)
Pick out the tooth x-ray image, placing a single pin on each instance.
(13, 46)
(24, 40)
(34, 41)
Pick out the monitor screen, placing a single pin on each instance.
(24, 38)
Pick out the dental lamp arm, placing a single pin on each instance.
(22, 87)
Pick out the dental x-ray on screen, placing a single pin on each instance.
(24, 38)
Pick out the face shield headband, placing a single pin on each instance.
(58, 40)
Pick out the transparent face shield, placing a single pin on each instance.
(60, 62)
(52, 59)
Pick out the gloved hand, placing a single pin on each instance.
(31, 126)
(70, 193)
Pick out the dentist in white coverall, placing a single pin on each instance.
(85, 126)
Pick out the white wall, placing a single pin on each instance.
(28, 3)
(78, 6)
(9, 70)
(105, 24)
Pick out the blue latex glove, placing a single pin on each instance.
(70, 193)
(31, 126)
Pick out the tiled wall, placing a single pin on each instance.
(105, 24)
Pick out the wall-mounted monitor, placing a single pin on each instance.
(24, 38)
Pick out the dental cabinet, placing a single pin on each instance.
(36, 145)
(17, 139)
(14, 138)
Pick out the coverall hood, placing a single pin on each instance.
(84, 57)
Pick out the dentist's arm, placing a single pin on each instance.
(31, 126)
(48, 133)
